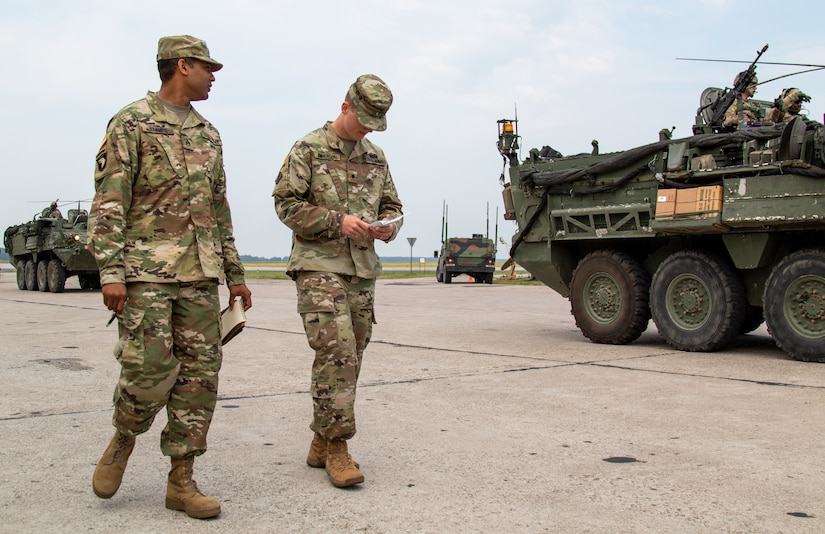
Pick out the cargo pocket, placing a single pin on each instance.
(130, 349)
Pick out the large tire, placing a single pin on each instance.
(448, 278)
(795, 305)
(489, 279)
(31, 275)
(42, 275)
(697, 301)
(609, 297)
(57, 276)
(21, 274)
(439, 276)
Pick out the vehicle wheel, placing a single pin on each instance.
(795, 305)
(83, 281)
(753, 320)
(57, 276)
(31, 275)
(439, 276)
(609, 297)
(95, 281)
(697, 301)
(448, 278)
(479, 279)
(21, 275)
(489, 278)
(42, 279)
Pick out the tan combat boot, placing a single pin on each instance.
(317, 456)
(341, 468)
(110, 468)
(182, 492)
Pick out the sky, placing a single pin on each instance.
(572, 71)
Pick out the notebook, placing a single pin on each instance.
(233, 320)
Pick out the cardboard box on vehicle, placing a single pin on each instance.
(699, 202)
(665, 203)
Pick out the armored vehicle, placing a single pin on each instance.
(708, 235)
(49, 249)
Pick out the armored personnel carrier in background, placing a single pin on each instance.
(708, 235)
(49, 249)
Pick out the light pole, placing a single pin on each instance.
(411, 241)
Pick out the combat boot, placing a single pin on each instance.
(109, 471)
(182, 492)
(317, 456)
(341, 469)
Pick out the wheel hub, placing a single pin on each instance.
(688, 303)
(604, 299)
(806, 305)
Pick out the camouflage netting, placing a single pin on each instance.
(554, 180)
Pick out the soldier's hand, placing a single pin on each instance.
(114, 297)
(240, 290)
(382, 232)
(352, 226)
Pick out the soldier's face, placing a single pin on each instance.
(199, 80)
(352, 129)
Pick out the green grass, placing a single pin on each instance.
(392, 271)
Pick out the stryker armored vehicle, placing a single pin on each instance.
(708, 235)
(49, 249)
(474, 256)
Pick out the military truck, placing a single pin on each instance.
(474, 256)
(49, 249)
(709, 235)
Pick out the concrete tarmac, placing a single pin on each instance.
(481, 408)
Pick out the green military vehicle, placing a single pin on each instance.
(474, 256)
(709, 235)
(49, 249)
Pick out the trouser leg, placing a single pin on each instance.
(327, 304)
(197, 348)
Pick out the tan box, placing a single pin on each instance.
(665, 203)
(699, 202)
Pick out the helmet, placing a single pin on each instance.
(754, 80)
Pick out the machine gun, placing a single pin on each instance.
(725, 99)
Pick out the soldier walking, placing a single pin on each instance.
(333, 188)
(162, 238)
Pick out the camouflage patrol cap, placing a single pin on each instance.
(183, 46)
(371, 98)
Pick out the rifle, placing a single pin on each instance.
(724, 100)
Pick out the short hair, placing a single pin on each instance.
(167, 67)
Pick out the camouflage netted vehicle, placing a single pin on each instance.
(474, 256)
(49, 249)
(709, 235)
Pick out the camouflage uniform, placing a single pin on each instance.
(740, 111)
(335, 276)
(162, 226)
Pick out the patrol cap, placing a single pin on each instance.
(372, 99)
(183, 46)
